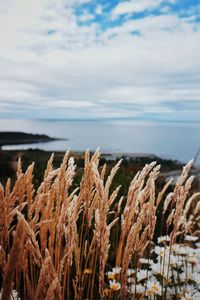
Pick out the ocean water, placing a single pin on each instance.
(179, 141)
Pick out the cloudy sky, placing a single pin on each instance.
(100, 59)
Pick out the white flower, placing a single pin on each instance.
(158, 269)
(131, 280)
(137, 289)
(111, 275)
(189, 269)
(146, 261)
(197, 295)
(192, 259)
(173, 260)
(197, 254)
(190, 293)
(190, 289)
(130, 272)
(196, 278)
(141, 274)
(114, 285)
(163, 239)
(197, 251)
(14, 295)
(182, 277)
(153, 287)
(190, 238)
(161, 251)
(170, 293)
(116, 270)
(183, 250)
(187, 297)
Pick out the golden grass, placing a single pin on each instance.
(56, 242)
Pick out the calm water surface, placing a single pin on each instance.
(177, 141)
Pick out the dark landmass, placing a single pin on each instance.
(17, 138)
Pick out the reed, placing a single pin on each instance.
(60, 242)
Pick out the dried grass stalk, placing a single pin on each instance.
(14, 260)
(47, 276)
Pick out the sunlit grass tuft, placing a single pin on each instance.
(57, 242)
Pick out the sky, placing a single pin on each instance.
(82, 59)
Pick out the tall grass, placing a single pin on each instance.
(57, 242)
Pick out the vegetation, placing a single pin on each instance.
(72, 238)
(128, 168)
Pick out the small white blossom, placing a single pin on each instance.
(183, 250)
(153, 287)
(163, 239)
(111, 275)
(146, 261)
(131, 280)
(130, 272)
(158, 269)
(192, 259)
(187, 297)
(161, 251)
(196, 278)
(137, 289)
(190, 238)
(114, 285)
(116, 270)
(14, 295)
(141, 275)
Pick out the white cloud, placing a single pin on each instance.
(50, 61)
(70, 103)
(149, 25)
(86, 16)
(135, 6)
(99, 9)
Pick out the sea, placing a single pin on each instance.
(171, 140)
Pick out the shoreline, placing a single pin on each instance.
(11, 138)
(130, 165)
(108, 156)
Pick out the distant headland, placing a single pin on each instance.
(18, 138)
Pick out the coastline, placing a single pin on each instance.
(130, 165)
(130, 161)
(8, 138)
